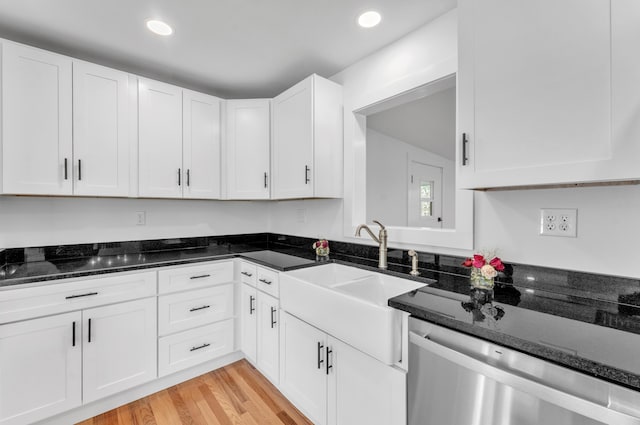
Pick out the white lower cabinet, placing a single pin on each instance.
(259, 318)
(268, 330)
(53, 364)
(40, 368)
(195, 315)
(303, 368)
(195, 346)
(249, 320)
(332, 383)
(119, 344)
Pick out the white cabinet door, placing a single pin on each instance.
(36, 121)
(307, 151)
(160, 139)
(249, 322)
(268, 341)
(100, 130)
(40, 370)
(120, 347)
(201, 145)
(292, 156)
(247, 142)
(535, 106)
(363, 390)
(625, 15)
(303, 372)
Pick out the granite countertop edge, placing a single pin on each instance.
(562, 358)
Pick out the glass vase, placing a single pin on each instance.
(479, 281)
(322, 254)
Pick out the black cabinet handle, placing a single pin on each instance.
(89, 339)
(73, 337)
(200, 308)
(179, 176)
(329, 366)
(306, 174)
(251, 301)
(188, 177)
(465, 141)
(265, 179)
(247, 274)
(66, 175)
(200, 347)
(79, 169)
(320, 360)
(88, 294)
(202, 276)
(273, 320)
(268, 282)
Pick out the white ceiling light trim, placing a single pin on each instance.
(159, 27)
(369, 19)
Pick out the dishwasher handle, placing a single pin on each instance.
(544, 392)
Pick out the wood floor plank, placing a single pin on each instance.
(234, 395)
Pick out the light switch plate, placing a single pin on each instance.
(559, 222)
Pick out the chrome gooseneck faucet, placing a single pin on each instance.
(381, 240)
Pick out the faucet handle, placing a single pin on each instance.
(379, 224)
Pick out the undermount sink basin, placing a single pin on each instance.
(350, 304)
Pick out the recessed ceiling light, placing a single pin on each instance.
(159, 27)
(369, 19)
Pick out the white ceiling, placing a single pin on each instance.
(232, 48)
(428, 123)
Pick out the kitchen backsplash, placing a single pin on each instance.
(609, 288)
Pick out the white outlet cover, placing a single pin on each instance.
(559, 222)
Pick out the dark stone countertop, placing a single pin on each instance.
(561, 316)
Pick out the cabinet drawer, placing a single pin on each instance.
(178, 312)
(268, 281)
(248, 273)
(191, 277)
(76, 294)
(189, 348)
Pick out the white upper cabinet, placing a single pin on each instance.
(307, 153)
(543, 101)
(247, 145)
(100, 130)
(201, 145)
(159, 139)
(36, 122)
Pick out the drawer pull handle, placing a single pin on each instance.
(320, 360)
(273, 320)
(202, 276)
(200, 308)
(268, 282)
(247, 274)
(329, 365)
(251, 301)
(199, 347)
(81, 295)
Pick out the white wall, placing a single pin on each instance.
(35, 221)
(387, 175)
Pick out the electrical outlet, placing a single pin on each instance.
(559, 222)
(141, 218)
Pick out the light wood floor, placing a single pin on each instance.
(234, 395)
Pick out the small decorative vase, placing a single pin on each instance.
(322, 254)
(479, 281)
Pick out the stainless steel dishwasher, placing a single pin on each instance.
(456, 379)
